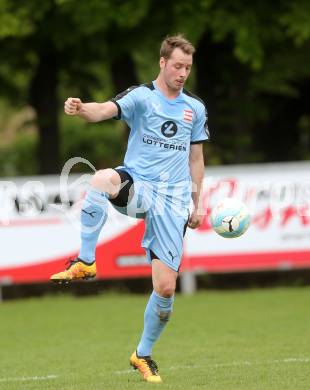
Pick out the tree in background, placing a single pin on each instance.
(57, 44)
(251, 68)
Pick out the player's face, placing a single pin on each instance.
(176, 69)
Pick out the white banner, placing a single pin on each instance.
(39, 220)
(38, 223)
(278, 196)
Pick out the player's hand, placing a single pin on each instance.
(73, 106)
(195, 219)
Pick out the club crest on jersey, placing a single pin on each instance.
(188, 116)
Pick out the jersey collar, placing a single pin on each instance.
(177, 99)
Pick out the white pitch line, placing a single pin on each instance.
(28, 378)
(229, 364)
(297, 360)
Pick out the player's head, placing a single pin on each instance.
(176, 58)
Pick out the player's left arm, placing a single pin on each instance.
(197, 168)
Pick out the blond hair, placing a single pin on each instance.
(173, 42)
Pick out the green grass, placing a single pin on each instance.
(255, 339)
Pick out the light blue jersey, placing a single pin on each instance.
(161, 132)
(157, 159)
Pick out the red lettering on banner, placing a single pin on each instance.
(263, 219)
(231, 188)
(291, 212)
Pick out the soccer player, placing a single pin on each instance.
(163, 168)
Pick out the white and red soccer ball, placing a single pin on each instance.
(230, 218)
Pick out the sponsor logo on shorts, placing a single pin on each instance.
(172, 256)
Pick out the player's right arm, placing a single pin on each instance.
(91, 112)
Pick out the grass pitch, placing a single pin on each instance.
(254, 339)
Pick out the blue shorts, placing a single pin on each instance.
(164, 210)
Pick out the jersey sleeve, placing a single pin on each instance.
(127, 103)
(200, 132)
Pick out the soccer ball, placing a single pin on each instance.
(230, 218)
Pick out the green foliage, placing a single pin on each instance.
(18, 141)
(296, 21)
(14, 21)
(255, 56)
(100, 143)
(19, 157)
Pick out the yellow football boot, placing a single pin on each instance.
(76, 270)
(147, 367)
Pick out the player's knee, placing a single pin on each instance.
(106, 180)
(166, 290)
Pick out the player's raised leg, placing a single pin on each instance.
(105, 184)
(156, 316)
